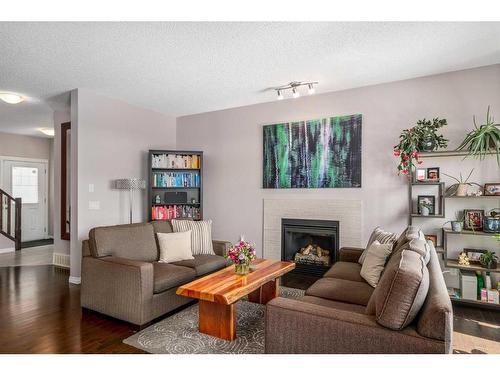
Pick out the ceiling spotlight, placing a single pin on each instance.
(47, 131)
(311, 89)
(280, 95)
(10, 98)
(295, 93)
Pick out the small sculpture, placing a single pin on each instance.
(463, 259)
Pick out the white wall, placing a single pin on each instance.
(23, 146)
(112, 140)
(232, 142)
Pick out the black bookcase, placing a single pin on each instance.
(175, 184)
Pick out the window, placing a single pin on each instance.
(25, 184)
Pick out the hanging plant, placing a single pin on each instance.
(421, 137)
(483, 139)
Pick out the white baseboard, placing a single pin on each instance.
(75, 280)
(60, 260)
(7, 250)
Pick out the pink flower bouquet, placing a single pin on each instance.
(241, 255)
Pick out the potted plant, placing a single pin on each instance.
(425, 209)
(458, 224)
(241, 254)
(483, 139)
(492, 221)
(488, 260)
(460, 188)
(421, 137)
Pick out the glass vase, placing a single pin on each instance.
(242, 269)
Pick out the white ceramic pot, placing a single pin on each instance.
(424, 211)
(462, 190)
(456, 226)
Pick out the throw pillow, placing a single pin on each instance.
(374, 263)
(201, 235)
(401, 290)
(174, 247)
(381, 236)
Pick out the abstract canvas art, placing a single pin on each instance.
(323, 153)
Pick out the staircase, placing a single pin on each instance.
(10, 218)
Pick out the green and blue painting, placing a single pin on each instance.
(323, 153)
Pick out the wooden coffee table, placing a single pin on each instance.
(219, 291)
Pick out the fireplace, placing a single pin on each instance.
(312, 244)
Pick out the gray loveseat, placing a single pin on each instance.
(122, 278)
(341, 313)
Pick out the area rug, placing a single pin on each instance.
(178, 334)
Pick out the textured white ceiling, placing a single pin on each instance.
(186, 68)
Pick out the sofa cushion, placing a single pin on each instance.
(203, 264)
(167, 276)
(349, 291)
(401, 290)
(201, 235)
(410, 233)
(130, 241)
(379, 235)
(334, 304)
(346, 271)
(174, 247)
(376, 256)
(162, 226)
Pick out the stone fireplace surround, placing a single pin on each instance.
(346, 212)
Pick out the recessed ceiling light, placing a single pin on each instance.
(47, 131)
(10, 98)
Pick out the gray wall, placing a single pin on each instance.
(232, 142)
(28, 147)
(112, 140)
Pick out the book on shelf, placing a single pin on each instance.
(176, 179)
(175, 161)
(174, 212)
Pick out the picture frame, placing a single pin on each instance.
(420, 174)
(430, 200)
(433, 174)
(474, 255)
(492, 189)
(473, 219)
(431, 237)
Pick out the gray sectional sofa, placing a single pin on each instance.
(122, 278)
(408, 312)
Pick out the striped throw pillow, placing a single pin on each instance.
(381, 236)
(201, 235)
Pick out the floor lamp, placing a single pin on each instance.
(130, 184)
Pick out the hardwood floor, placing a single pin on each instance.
(40, 313)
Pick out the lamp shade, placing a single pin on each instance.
(130, 183)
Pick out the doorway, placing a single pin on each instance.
(28, 179)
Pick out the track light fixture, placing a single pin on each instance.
(294, 85)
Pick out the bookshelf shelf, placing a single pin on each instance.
(452, 263)
(475, 303)
(468, 232)
(175, 179)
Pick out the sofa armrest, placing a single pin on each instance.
(221, 247)
(118, 287)
(294, 326)
(350, 254)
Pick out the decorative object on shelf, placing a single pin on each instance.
(421, 137)
(420, 174)
(458, 224)
(492, 188)
(492, 221)
(483, 139)
(463, 260)
(489, 260)
(477, 193)
(432, 238)
(321, 153)
(426, 205)
(130, 184)
(433, 174)
(157, 199)
(474, 255)
(460, 188)
(193, 200)
(473, 219)
(241, 255)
